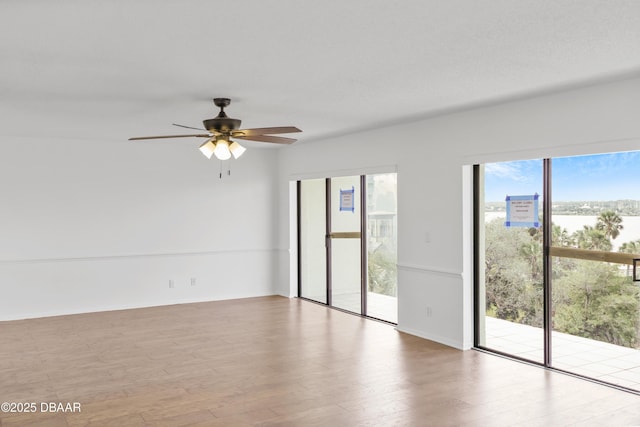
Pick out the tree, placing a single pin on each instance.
(632, 247)
(561, 237)
(592, 238)
(383, 272)
(609, 222)
(532, 252)
(595, 302)
(510, 260)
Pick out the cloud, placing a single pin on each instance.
(510, 170)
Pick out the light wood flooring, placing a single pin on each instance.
(275, 361)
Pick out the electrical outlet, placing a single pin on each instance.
(171, 285)
(193, 281)
(429, 312)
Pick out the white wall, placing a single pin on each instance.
(434, 186)
(88, 226)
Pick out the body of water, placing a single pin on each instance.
(572, 223)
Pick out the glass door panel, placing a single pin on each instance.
(345, 252)
(596, 304)
(313, 265)
(382, 247)
(510, 250)
(345, 274)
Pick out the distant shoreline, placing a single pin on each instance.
(625, 207)
(563, 213)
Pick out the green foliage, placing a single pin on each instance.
(610, 223)
(598, 304)
(561, 237)
(630, 247)
(383, 272)
(592, 238)
(591, 299)
(510, 257)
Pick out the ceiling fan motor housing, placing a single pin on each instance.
(221, 124)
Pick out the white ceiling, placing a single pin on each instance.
(108, 70)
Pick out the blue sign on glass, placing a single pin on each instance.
(346, 200)
(522, 211)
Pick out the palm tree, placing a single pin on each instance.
(609, 222)
(560, 236)
(592, 238)
(630, 248)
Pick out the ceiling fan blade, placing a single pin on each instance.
(199, 135)
(187, 127)
(265, 131)
(267, 138)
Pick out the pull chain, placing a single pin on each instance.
(228, 170)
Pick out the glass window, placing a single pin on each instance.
(584, 286)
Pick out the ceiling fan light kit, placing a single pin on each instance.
(222, 149)
(236, 149)
(222, 128)
(208, 148)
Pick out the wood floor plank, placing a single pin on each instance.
(275, 361)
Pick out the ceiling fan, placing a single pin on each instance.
(222, 128)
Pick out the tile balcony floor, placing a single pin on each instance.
(595, 359)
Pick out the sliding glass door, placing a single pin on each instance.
(347, 243)
(560, 291)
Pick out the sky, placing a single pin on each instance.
(612, 176)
